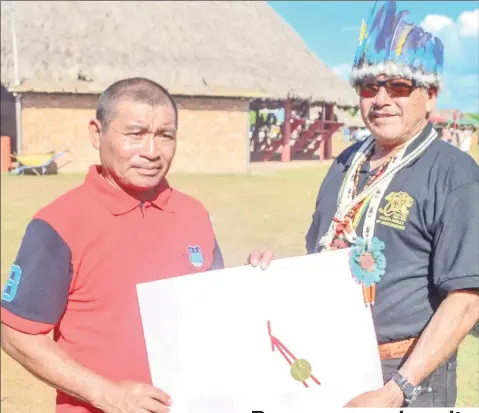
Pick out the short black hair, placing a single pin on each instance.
(136, 88)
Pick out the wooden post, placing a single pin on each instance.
(328, 143)
(257, 125)
(286, 152)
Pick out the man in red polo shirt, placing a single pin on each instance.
(82, 256)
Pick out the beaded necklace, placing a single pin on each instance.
(367, 261)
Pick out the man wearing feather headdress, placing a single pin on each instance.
(406, 204)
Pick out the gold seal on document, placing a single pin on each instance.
(301, 370)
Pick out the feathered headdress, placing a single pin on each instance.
(389, 45)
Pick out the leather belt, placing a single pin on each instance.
(396, 349)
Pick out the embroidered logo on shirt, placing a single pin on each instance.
(195, 255)
(396, 211)
(11, 286)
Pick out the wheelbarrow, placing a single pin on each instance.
(37, 163)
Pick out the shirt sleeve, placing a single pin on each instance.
(312, 234)
(36, 291)
(313, 231)
(455, 261)
(218, 262)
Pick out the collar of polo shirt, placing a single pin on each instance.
(119, 202)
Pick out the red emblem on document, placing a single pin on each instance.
(300, 369)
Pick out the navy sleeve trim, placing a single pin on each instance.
(39, 280)
(218, 262)
(470, 282)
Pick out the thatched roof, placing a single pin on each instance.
(221, 48)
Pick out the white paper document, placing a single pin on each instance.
(293, 338)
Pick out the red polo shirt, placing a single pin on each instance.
(79, 263)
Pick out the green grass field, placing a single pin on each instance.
(268, 210)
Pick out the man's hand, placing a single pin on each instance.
(131, 397)
(43, 357)
(388, 396)
(261, 258)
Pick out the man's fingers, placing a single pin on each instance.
(153, 406)
(254, 258)
(159, 395)
(266, 259)
(261, 258)
(141, 410)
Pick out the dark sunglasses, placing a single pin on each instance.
(396, 88)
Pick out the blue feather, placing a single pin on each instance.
(387, 31)
(401, 27)
(383, 40)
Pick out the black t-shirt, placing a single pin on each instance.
(430, 229)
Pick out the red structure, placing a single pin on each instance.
(288, 356)
(287, 128)
(300, 138)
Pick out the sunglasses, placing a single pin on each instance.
(396, 88)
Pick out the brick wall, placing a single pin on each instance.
(212, 135)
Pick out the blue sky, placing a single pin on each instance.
(331, 30)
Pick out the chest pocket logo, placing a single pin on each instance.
(396, 211)
(196, 256)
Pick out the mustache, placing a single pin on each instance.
(374, 111)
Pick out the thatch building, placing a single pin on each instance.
(215, 57)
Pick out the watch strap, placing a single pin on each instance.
(410, 391)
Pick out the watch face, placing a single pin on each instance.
(414, 393)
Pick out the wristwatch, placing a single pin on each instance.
(410, 391)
